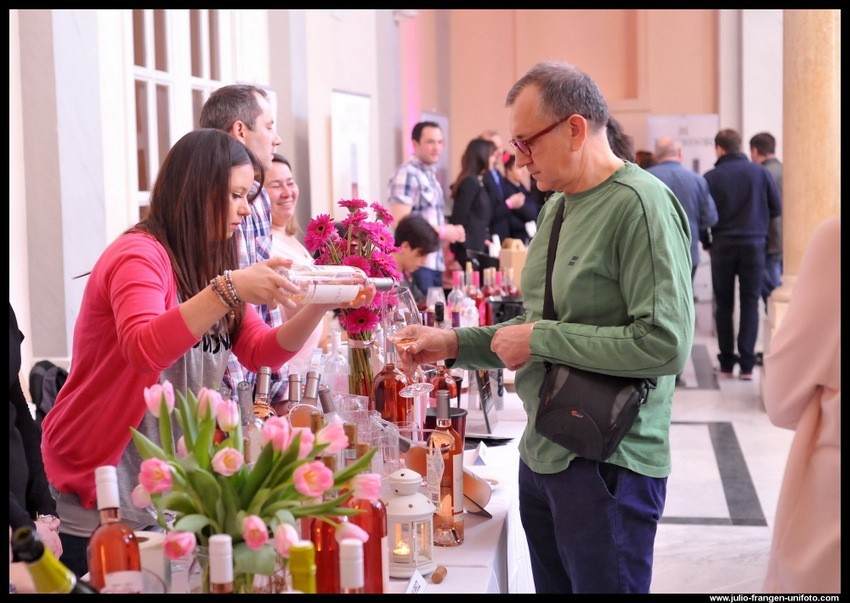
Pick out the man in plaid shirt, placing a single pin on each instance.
(414, 188)
(244, 112)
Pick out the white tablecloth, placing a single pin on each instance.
(494, 555)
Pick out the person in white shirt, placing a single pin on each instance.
(283, 194)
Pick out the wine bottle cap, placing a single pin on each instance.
(351, 432)
(351, 563)
(106, 487)
(221, 558)
(302, 556)
(326, 399)
(443, 411)
(439, 312)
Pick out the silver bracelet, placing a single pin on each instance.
(47, 517)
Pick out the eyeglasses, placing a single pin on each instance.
(524, 145)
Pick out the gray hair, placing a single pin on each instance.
(564, 90)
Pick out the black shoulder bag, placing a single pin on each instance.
(585, 412)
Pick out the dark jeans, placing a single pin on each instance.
(74, 553)
(772, 275)
(424, 278)
(590, 528)
(744, 261)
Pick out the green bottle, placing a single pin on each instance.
(49, 575)
(302, 566)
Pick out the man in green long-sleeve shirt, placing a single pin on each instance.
(621, 285)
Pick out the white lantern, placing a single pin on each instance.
(410, 525)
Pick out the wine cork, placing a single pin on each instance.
(439, 574)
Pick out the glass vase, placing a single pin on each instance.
(199, 577)
(361, 349)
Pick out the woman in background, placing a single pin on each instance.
(473, 208)
(283, 194)
(518, 180)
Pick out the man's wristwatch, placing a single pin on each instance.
(48, 517)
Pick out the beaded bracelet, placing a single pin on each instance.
(219, 285)
(220, 296)
(231, 288)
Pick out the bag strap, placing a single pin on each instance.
(548, 300)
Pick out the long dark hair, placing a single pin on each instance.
(190, 205)
(475, 160)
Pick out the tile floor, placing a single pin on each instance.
(728, 462)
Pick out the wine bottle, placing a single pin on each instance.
(221, 563)
(115, 563)
(262, 404)
(335, 368)
(327, 404)
(456, 295)
(49, 575)
(252, 426)
(440, 316)
(442, 380)
(299, 412)
(302, 566)
(373, 520)
(475, 293)
(329, 284)
(323, 537)
(448, 519)
(386, 391)
(349, 455)
(351, 578)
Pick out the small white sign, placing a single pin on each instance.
(417, 584)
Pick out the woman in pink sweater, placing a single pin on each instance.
(802, 391)
(166, 300)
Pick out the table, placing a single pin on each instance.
(494, 555)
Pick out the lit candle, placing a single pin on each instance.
(401, 552)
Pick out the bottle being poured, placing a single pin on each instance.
(330, 284)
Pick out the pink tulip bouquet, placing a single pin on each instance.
(204, 483)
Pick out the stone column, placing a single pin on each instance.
(812, 148)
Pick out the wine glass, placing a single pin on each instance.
(400, 311)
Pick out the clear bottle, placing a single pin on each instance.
(351, 575)
(386, 391)
(221, 564)
(469, 316)
(262, 403)
(252, 426)
(330, 284)
(115, 563)
(448, 519)
(49, 575)
(302, 567)
(373, 520)
(335, 369)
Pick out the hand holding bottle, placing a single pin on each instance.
(260, 283)
(48, 530)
